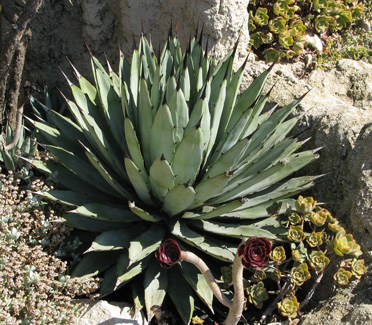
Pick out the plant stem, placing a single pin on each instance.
(204, 269)
(236, 310)
(311, 292)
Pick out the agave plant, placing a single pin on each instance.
(168, 148)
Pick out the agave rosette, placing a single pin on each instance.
(168, 148)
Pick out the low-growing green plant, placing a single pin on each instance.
(35, 287)
(277, 28)
(168, 148)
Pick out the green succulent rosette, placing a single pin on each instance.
(259, 275)
(298, 28)
(318, 261)
(277, 25)
(296, 234)
(322, 23)
(358, 268)
(288, 306)
(295, 219)
(286, 39)
(278, 254)
(342, 276)
(315, 239)
(300, 274)
(305, 205)
(275, 275)
(281, 8)
(261, 17)
(344, 244)
(257, 294)
(318, 218)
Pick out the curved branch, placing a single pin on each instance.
(204, 269)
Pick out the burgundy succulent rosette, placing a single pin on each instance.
(255, 252)
(168, 254)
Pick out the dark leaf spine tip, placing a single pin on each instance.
(201, 35)
(67, 79)
(162, 157)
(227, 71)
(134, 45)
(164, 102)
(271, 66)
(206, 47)
(176, 29)
(235, 47)
(170, 33)
(197, 126)
(178, 87)
(271, 89)
(197, 30)
(204, 93)
(77, 74)
(303, 96)
(89, 51)
(142, 27)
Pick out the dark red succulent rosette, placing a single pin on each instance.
(168, 254)
(255, 252)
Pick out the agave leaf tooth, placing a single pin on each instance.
(234, 230)
(161, 178)
(180, 113)
(135, 70)
(188, 156)
(133, 145)
(210, 187)
(199, 284)
(162, 140)
(269, 176)
(178, 199)
(145, 243)
(110, 179)
(155, 285)
(142, 213)
(219, 249)
(139, 180)
(216, 117)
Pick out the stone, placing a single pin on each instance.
(62, 29)
(337, 115)
(107, 313)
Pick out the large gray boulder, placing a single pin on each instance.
(62, 29)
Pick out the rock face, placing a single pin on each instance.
(105, 313)
(337, 115)
(61, 29)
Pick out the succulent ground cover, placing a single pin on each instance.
(35, 286)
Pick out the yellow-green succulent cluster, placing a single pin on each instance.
(278, 28)
(257, 294)
(288, 306)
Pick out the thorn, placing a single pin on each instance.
(170, 33)
(68, 80)
(134, 42)
(197, 30)
(304, 141)
(142, 27)
(77, 74)
(90, 52)
(206, 47)
(201, 35)
(108, 64)
(319, 176)
(317, 149)
(273, 109)
(271, 89)
(235, 47)
(162, 157)
(303, 96)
